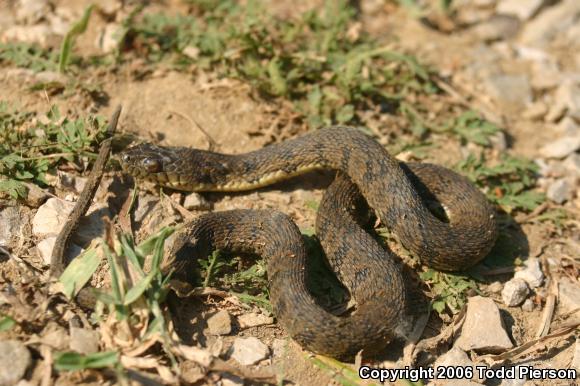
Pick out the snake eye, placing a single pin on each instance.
(126, 158)
(152, 165)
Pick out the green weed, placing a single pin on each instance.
(25, 55)
(320, 62)
(69, 39)
(28, 152)
(508, 184)
(449, 289)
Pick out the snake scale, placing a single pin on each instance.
(368, 177)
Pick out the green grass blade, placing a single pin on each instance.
(69, 39)
(79, 271)
(70, 361)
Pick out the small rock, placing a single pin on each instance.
(279, 348)
(535, 111)
(568, 96)
(495, 287)
(561, 148)
(576, 359)
(509, 89)
(191, 52)
(483, 329)
(195, 201)
(550, 22)
(514, 292)
(14, 360)
(572, 164)
(231, 380)
(454, 358)
(32, 11)
(560, 191)
(109, 38)
(249, 351)
(84, 341)
(10, 224)
(50, 217)
(71, 182)
(219, 323)
(191, 372)
(499, 141)
(46, 246)
(568, 127)
(498, 27)
(532, 273)
(253, 320)
(39, 33)
(528, 305)
(145, 205)
(36, 196)
(517, 381)
(523, 9)
(546, 74)
(568, 294)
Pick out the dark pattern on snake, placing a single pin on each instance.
(399, 194)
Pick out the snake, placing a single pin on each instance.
(436, 214)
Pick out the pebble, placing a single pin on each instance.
(219, 323)
(560, 191)
(454, 358)
(532, 273)
(568, 126)
(549, 22)
(572, 164)
(145, 205)
(36, 196)
(254, 320)
(84, 341)
(528, 305)
(523, 9)
(14, 360)
(498, 27)
(10, 224)
(51, 216)
(31, 11)
(568, 295)
(567, 97)
(483, 329)
(508, 89)
(561, 148)
(46, 246)
(495, 287)
(535, 111)
(71, 182)
(195, 201)
(279, 348)
(515, 292)
(249, 351)
(231, 380)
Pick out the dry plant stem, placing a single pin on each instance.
(212, 144)
(57, 260)
(528, 347)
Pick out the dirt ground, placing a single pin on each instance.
(168, 107)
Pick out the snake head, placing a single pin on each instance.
(176, 167)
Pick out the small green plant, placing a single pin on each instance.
(28, 153)
(509, 183)
(25, 55)
(449, 289)
(132, 307)
(470, 127)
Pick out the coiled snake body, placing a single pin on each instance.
(399, 193)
